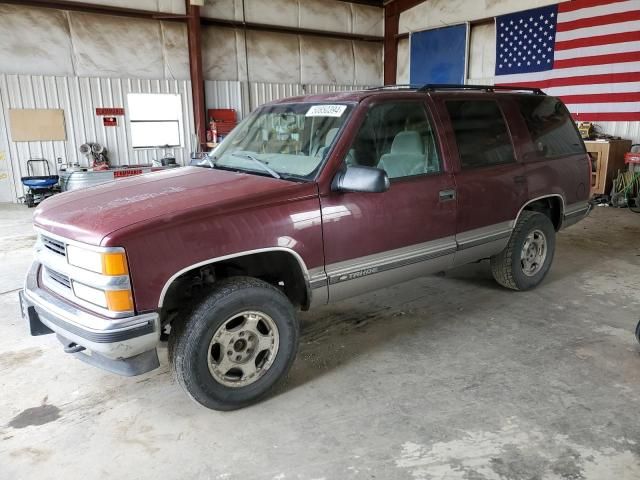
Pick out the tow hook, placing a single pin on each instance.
(74, 348)
(69, 346)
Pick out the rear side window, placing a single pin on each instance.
(550, 125)
(481, 133)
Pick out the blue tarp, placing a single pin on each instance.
(438, 56)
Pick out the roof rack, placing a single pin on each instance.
(400, 86)
(430, 87)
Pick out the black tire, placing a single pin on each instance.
(189, 342)
(634, 205)
(507, 268)
(638, 332)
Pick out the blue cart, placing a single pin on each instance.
(39, 187)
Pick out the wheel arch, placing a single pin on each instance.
(552, 205)
(301, 273)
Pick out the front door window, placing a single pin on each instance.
(398, 138)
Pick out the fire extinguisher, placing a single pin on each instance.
(214, 131)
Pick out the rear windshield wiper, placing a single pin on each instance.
(266, 167)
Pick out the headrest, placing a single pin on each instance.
(331, 134)
(407, 142)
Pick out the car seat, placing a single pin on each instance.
(406, 157)
(328, 140)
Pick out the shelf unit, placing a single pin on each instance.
(608, 158)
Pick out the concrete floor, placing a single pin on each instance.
(445, 377)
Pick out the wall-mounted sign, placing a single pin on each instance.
(110, 111)
(110, 121)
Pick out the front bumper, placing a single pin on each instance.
(126, 346)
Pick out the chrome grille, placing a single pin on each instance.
(59, 278)
(55, 246)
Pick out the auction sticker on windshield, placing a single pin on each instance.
(326, 111)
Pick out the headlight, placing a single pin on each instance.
(106, 263)
(114, 300)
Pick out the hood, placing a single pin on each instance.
(89, 215)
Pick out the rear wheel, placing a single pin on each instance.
(525, 261)
(235, 345)
(634, 205)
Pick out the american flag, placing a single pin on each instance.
(586, 52)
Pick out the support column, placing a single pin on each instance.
(392, 11)
(194, 36)
(391, 25)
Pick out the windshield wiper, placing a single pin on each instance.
(266, 167)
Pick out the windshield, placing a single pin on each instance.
(288, 141)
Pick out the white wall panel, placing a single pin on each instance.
(327, 15)
(116, 46)
(626, 130)
(34, 40)
(367, 20)
(165, 6)
(39, 41)
(326, 60)
(223, 53)
(332, 15)
(273, 57)
(439, 13)
(482, 50)
(368, 63)
(43, 41)
(79, 97)
(176, 51)
(223, 9)
(402, 67)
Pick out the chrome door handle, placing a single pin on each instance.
(446, 195)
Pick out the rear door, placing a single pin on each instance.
(556, 161)
(373, 240)
(491, 184)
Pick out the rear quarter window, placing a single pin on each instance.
(481, 133)
(551, 127)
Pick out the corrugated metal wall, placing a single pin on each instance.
(227, 94)
(79, 97)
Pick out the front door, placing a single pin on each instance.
(373, 240)
(491, 179)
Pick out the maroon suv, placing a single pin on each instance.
(310, 200)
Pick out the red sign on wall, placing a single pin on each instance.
(110, 111)
(110, 121)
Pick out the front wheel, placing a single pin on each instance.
(235, 345)
(526, 259)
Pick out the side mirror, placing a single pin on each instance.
(357, 178)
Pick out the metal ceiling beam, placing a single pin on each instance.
(151, 15)
(371, 3)
(99, 9)
(260, 27)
